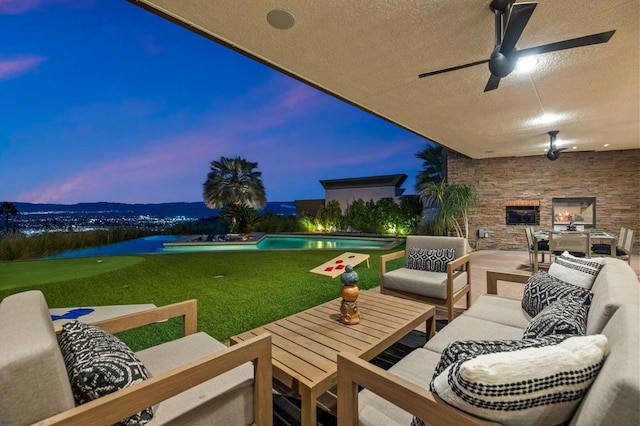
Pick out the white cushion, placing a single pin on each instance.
(533, 386)
(576, 270)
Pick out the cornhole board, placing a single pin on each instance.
(335, 266)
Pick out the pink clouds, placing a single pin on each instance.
(11, 68)
(17, 7)
(174, 166)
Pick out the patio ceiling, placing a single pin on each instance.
(369, 53)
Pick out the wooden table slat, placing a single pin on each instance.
(373, 328)
(318, 343)
(308, 354)
(338, 332)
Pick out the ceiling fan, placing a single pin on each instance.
(553, 152)
(510, 20)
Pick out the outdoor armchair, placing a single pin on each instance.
(193, 380)
(436, 271)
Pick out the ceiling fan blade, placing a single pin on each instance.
(518, 19)
(459, 67)
(492, 84)
(568, 44)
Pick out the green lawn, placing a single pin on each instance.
(236, 291)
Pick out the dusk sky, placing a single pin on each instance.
(103, 101)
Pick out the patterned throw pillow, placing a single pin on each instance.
(575, 270)
(434, 260)
(542, 289)
(532, 386)
(98, 364)
(463, 350)
(565, 316)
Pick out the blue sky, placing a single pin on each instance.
(103, 101)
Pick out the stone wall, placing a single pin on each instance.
(613, 177)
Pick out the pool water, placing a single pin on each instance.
(151, 244)
(273, 242)
(155, 244)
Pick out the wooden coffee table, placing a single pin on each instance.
(305, 345)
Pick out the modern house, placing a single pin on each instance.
(346, 191)
(425, 66)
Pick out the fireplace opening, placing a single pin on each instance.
(522, 212)
(523, 215)
(576, 211)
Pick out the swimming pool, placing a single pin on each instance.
(156, 244)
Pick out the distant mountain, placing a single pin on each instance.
(194, 210)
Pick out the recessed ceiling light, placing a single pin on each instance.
(575, 147)
(606, 144)
(527, 63)
(280, 19)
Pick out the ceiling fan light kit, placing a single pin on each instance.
(553, 152)
(510, 21)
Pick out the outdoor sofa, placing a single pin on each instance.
(612, 399)
(193, 380)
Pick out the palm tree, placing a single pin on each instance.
(434, 163)
(452, 203)
(242, 217)
(7, 209)
(234, 182)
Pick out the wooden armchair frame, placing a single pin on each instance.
(452, 298)
(354, 372)
(112, 408)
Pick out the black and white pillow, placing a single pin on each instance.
(532, 386)
(542, 290)
(576, 270)
(565, 316)
(463, 350)
(98, 364)
(434, 260)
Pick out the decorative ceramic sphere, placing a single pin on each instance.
(349, 277)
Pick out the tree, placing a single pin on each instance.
(410, 213)
(387, 216)
(330, 216)
(234, 182)
(452, 203)
(434, 163)
(8, 209)
(245, 217)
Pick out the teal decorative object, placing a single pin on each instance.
(349, 276)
